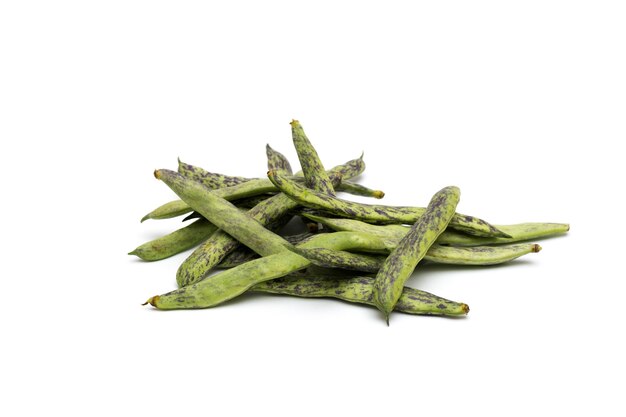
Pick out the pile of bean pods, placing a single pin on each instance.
(360, 253)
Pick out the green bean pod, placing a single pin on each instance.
(328, 258)
(277, 161)
(350, 169)
(401, 262)
(243, 254)
(312, 167)
(393, 233)
(208, 179)
(251, 191)
(377, 213)
(208, 255)
(358, 189)
(223, 286)
(468, 256)
(479, 255)
(223, 214)
(168, 210)
(360, 290)
(175, 242)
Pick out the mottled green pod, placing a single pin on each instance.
(358, 189)
(223, 286)
(329, 258)
(312, 167)
(277, 161)
(208, 179)
(350, 169)
(468, 256)
(392, 233)
(377, 213)
(175, 242)
(401, 262)
(518, 232)
(360, 290)
(208, 255)
(168, 210)
(251, 191)
(223, 214)
(243, 254)
(479, 255)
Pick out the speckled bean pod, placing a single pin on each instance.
(251, 189)
(221, 243)
(393, 233)
(328, 258)
(223, 286)
(175, 242)
(243, 254)
(401, 262)
(377, 213)
(312, 167)
(208, 255)
(360, 290)
(168, 210)
(223, 214)
(209, 179)
(475, 255)
(277, 161)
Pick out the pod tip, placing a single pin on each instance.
(152, 301)
(294, 123)
(387, 318)
(157, 174)
(144, 218)
(536, 248)
(133, 252)
(378, 194)
(465, 308)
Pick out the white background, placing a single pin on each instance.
(520, 104)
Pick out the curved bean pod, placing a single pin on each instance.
(243, 254)
(223, 214)
(168, 210)
(371, 212)
(350, 169)
(221, 243)
(277, 161)
(401, 262)
(312, 167)
(360, 290)
(175, 242)
(393, 233)
(468, 256)
(223, 286)
(328, 258)
(358, 189)
(208, 179)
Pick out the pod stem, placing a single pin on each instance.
(152, 301)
